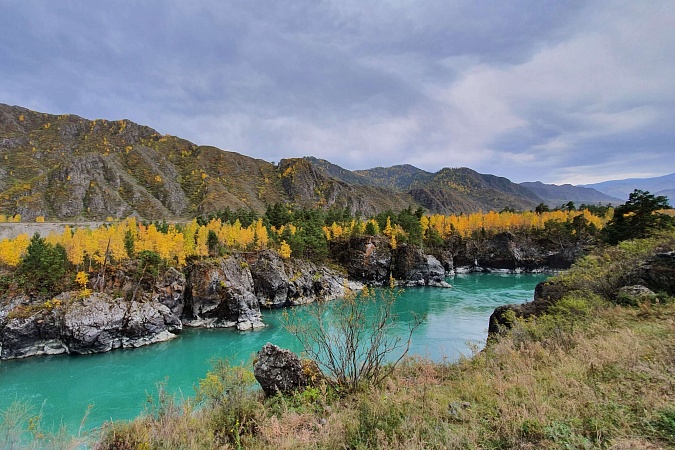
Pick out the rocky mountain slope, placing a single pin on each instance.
(67, 167)
(450, 190)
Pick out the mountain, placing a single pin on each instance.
(465, 190)
(401, 178)
(668, 193)
(557, 195)
(622, 188)
(446, 191)
(68, 167)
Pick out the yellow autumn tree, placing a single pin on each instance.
(284, 250)
(11, 250)
(261, 236)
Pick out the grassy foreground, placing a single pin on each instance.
(589, 374)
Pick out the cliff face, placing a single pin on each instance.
(95, 323)
(220, 294)
(372, 260)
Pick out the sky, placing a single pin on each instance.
(556, 91)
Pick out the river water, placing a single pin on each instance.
(117, 383)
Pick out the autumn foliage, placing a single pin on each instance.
(116, 242)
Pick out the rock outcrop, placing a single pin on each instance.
(223, 292)
(278, 370)
(508, 252)
(414, 268)
(366, 258)
(96, 323)
(370, 259)
(220, 294)
(280, 282)
(658, 273)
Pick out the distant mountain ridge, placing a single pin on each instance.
(557, 195)
(663, 185)
(450, 190)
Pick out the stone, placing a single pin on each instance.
(279, 370)
(220, 294)
(633, 295)
(93, 324)
(414, 268)
(373, 268)
(658, 273)
(270, 280)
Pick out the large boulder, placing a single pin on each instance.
(270, 280)
(220, 293)
(414, 268)
(658, 273)
(546, 293)
(279, 370)
(366, 258)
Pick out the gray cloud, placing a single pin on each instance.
(564, 92)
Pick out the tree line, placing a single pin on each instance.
(306, 233)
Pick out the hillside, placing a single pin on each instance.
(67, 167)
(556, 195)
(70, 168)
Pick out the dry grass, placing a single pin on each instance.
(603, 392)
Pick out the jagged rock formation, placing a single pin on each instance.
(370, 259)
(509, 252)
(278, 370)
(415, 268)
(220, 294)
(95, 323)
(281, 282)
(223, 292)
(373, 267)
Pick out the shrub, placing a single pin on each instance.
(351, 339)
(228, 390)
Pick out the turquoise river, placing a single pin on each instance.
(116, 384)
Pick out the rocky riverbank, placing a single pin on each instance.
(220, 292)
(631, 281)
(230, 292)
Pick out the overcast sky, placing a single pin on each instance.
(557, 91)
